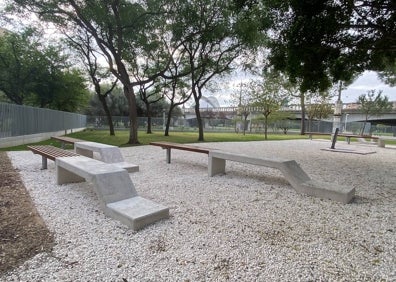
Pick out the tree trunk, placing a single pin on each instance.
(148, 109)
(167, 126)
(102, 99)
(168, 119)
(133, 122)
(363, 128)
(265, 127)
(302, 102)
(199, 121)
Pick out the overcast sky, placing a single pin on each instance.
(367, 81)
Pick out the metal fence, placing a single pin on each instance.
(237, 125)
(17, 120)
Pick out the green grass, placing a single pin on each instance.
(121, 138)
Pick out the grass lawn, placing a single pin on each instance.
(121, 138)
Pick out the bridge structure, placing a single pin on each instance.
(349, 113)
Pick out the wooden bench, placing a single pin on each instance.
(50, 152)
(347, 136)
(292, 171)
(311, 134)
(66, 140)
(113, 186)
(169, 145)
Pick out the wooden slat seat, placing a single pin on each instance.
(66, 140)
(169, 145)
(50, 152)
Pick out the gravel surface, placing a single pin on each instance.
(247, 225)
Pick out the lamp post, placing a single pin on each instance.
(346, 120)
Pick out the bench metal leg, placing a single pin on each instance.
(168, 155)
(63, 145)
(43, 162)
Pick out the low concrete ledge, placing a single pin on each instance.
(114, 189)
(326, 190)
(137, 212)
(291, 170)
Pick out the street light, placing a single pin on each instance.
(346, 120)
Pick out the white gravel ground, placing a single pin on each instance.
(247, 225)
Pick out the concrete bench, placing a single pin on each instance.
(49, 152)
(292, 171)
(107, 153)
(114, 189)
(66, 140)
(382, 139)
(169, 146)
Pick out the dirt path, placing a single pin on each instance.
(23, 234)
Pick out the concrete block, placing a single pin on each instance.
(327, 190)
(111, 183)
(108, 153)
(137, 212)
(114, 188)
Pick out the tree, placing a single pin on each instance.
(149, 95)
(319, 108)
(177, 93)
(372, 104)
(81, 42)
(243, 99)
(317, 43)
(36, 74)
(120, 29)
(267, 96)
(207, 30)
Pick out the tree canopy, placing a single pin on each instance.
(320, 42)
(36, 74)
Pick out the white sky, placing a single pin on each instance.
(367, 81)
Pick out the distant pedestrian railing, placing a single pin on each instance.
(17, 120)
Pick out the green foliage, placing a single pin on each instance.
(321, 42)
(372, 103)
(35, 74)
